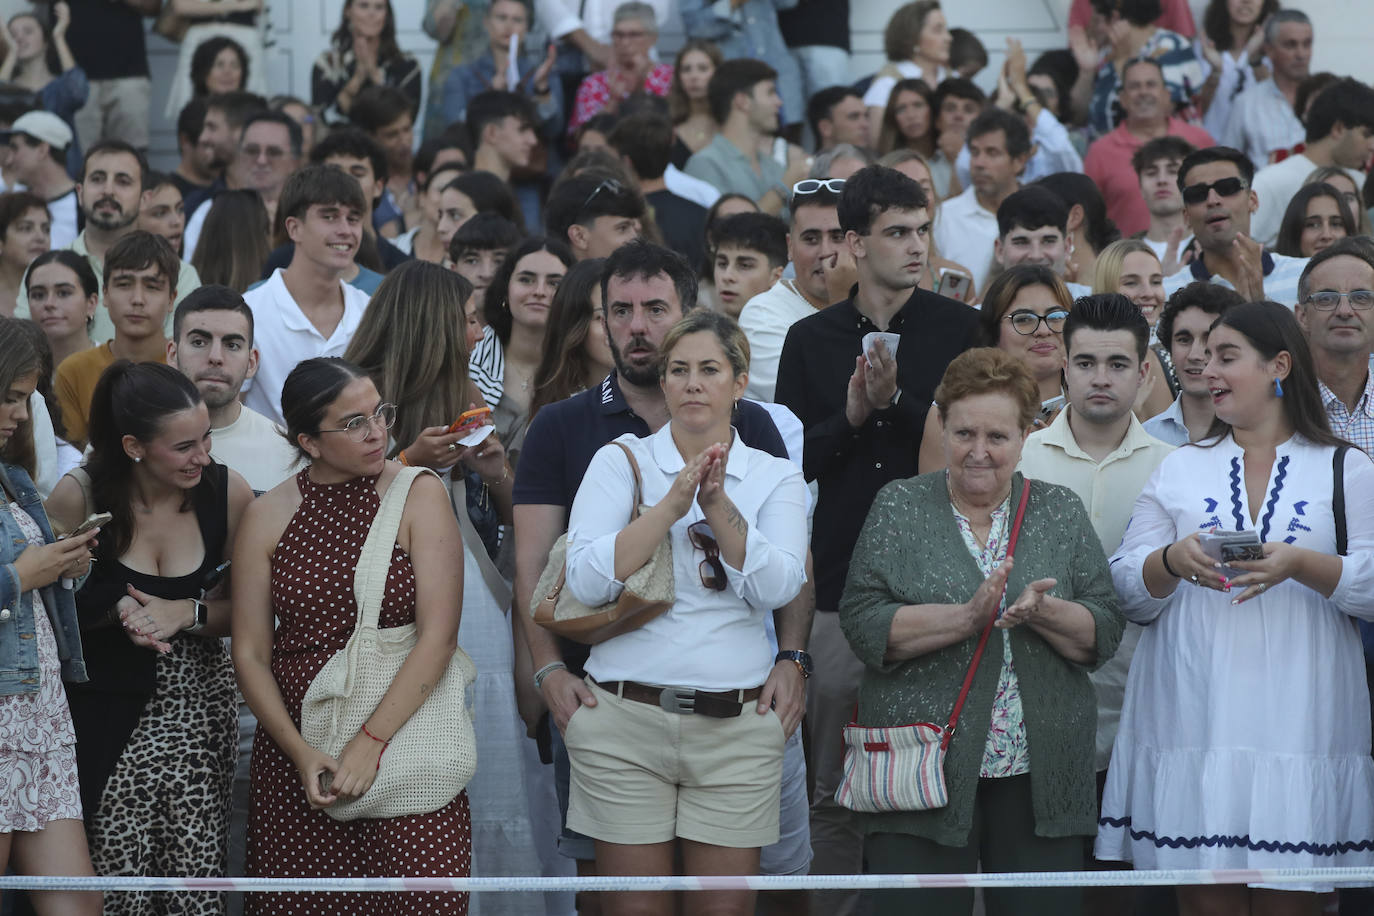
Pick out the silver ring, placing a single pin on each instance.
(1263, 586)
(1194, 578)
(453, 446)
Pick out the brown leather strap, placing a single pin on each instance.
(724, 704)
(639, 483)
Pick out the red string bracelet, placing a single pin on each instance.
(384, 744)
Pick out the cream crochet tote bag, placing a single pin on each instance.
(434, 754)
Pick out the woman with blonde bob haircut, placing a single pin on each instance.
(930, 572)
(1131, 267)
(703, 780)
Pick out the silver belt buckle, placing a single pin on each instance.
(678, 700)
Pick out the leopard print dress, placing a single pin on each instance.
(157, 735)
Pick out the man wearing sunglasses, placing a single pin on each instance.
(1218, 204)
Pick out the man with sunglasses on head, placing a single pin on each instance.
(864, 408)
(815, 248)
(1218, 203)
(594, 214)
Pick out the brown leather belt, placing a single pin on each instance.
(725, 704)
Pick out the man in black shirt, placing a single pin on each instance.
(863, 411)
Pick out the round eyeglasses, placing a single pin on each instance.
(358, 427)
(1024, 321)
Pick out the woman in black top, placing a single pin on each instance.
(156, 723)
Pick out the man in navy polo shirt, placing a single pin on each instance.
(645, 290)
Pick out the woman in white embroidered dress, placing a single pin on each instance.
(1245, 735)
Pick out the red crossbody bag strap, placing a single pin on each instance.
(987, 630)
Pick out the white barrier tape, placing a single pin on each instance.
(1271, 876)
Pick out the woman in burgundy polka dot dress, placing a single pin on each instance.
(295, 559)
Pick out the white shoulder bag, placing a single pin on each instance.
(434, 754)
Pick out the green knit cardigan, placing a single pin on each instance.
(911, 552)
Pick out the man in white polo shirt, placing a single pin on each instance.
(1097, 448)
(306, 309)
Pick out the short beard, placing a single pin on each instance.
(639, 376)
(111, 224)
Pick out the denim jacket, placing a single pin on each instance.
(18, 646)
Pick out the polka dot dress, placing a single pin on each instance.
(312, 596)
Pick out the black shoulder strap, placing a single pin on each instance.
(1338, 496)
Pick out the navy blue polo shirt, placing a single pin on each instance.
(564, 436)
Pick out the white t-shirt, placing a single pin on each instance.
(256, 448)
(765, 320)
(284, 337)
(62, 214)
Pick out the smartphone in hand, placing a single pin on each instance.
(470, 420)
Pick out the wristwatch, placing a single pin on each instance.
(896, 396)
(202, 616)
(799, 658)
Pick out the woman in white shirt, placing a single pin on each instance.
(682, 752)
(1244, 739)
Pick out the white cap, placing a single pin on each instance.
(45, 126)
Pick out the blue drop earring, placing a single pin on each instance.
(1278, 387)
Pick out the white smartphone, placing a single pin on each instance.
(955, 284)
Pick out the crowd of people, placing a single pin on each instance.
(914, 397)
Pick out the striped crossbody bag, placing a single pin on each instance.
(902, 767)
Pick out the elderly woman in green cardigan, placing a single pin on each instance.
(929, 571)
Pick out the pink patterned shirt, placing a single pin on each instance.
(595, 93)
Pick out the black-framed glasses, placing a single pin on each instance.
(814, 185)
(610, 185)
(1328, 299)
(1024, 321)
(1226, 187)
(358, 427)
(711, 569)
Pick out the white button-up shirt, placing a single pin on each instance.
(708, 640)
